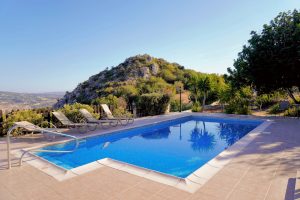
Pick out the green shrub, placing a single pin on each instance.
(187, 106)
(238, 106)
(175, 106)
(117, 105)
(292, 112)
(72, 111)
(153, 103)
(110, 100)
(275, 109)
(230, 108)
(243, 109)
(196, 107)
(263, 101)
(238, 101)
(23, 115)
(121, 112)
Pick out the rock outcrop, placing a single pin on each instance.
(133, 68)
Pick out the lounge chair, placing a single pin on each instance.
(121, 120)
(90, 119)
(34, 128)
(82, 127)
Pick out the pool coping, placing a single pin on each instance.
(190, 184)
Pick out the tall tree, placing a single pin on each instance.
(271, 59)
(204, 86)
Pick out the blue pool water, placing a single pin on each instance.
(176, 147)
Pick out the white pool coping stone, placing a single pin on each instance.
(190, 184)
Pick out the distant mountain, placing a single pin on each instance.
(13, 100)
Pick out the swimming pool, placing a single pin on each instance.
(177, 147)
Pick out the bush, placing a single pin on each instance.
(263, 101)
(117, 105)
(292, 112)
(275, 109)
(230, 108)
(187, 106)
(196, 107)
(121, 112)
(175, 106)
(238, 106)
(23, 115)
(238, 102)
(72, 111)
(153, 103)
(110, 100)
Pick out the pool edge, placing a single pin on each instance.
(190, 184)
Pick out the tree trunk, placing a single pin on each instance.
(290, 93)
(203, 102)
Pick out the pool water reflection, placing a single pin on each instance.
(177, 147)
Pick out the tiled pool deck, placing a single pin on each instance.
(265, 169)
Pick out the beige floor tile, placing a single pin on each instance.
(134, 194)
(173, 193)
(251, 186)
(244, 195)
(216, 190)
(231, 171)
(201, 196)
(278, 189)
(225, 180)
(151, 186)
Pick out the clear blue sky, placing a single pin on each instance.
(52, 45)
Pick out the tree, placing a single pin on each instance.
(199, 86)
(204, 86)
(193, 85)
(271, 60)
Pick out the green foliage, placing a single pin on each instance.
(271, 59)
(263, 101)
(143, 74)
(136, 76)
(217, 84)
(22, 115)
(110, 100)
(121, 112)
(117, 105)
(153, 103)
(168, 76)
(275, 109)
(292, 112)
(129, 92)
(72, 111)
(200, 86)
(196, 107)
(175, 106)
(155, 85)
(238, 102)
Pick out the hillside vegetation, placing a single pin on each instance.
(136, 77)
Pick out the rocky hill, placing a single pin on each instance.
(130, 72)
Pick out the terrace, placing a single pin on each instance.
(263, 168)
